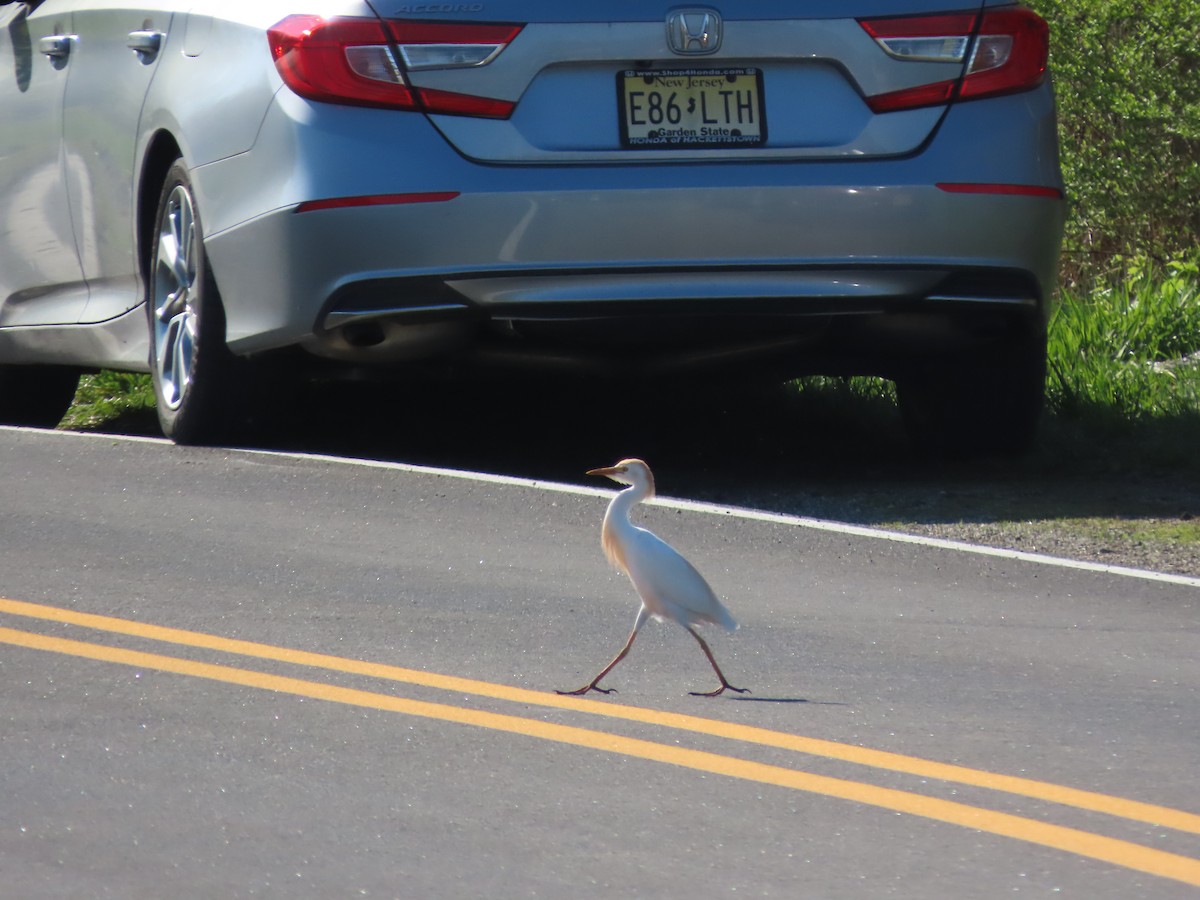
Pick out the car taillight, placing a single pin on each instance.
(346, 61)
(1004, 51)
(362, 62)
(1010, 190)
(1010, 54)
(426, 45)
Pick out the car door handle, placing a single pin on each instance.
(145, 43)
(56, 46)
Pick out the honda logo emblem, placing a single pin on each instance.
(694, 31)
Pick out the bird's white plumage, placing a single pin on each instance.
(669, 586)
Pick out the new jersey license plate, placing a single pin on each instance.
(675, 109)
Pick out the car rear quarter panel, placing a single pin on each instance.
(216, 77)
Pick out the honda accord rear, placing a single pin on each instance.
(739, 190)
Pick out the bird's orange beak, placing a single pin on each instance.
(606, 470)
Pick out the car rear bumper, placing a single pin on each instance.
(804, 249)
(454, 244)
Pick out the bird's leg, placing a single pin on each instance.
(725, 685)
(592, 686)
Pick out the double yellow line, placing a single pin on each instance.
(1122, 853)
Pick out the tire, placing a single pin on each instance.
(36, 396)
(195, 383)
(986, 404)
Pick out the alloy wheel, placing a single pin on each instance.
(176, 297)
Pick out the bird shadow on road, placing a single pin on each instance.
(742, 698)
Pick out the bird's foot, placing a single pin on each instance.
(724, 687)
(585, 689)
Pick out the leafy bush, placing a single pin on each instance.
(1127, 77)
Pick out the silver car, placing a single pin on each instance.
(226, 193)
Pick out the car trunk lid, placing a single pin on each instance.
(771, 79)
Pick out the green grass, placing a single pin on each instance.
(1149, 531)
(107, 397)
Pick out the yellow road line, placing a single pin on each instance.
(1081, 843)
(1160, 816)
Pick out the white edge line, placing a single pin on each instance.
(715, 509)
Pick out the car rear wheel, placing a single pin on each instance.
(985, 404)
(36, 396)
(193, 370)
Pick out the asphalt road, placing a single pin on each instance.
(230, 674)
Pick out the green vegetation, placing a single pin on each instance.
(107, 397)
(1131, 348)
(1125, 340)
(1124, 375)
(1127, 77)
(1145, 531)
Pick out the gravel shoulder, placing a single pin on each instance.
(1143, 528)
(1103, 541)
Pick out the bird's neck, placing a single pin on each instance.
(617, 525)
(622, 504)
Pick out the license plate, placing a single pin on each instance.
(671, 109)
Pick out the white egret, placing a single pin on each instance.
(670, 587)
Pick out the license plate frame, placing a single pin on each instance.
(714, 108)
